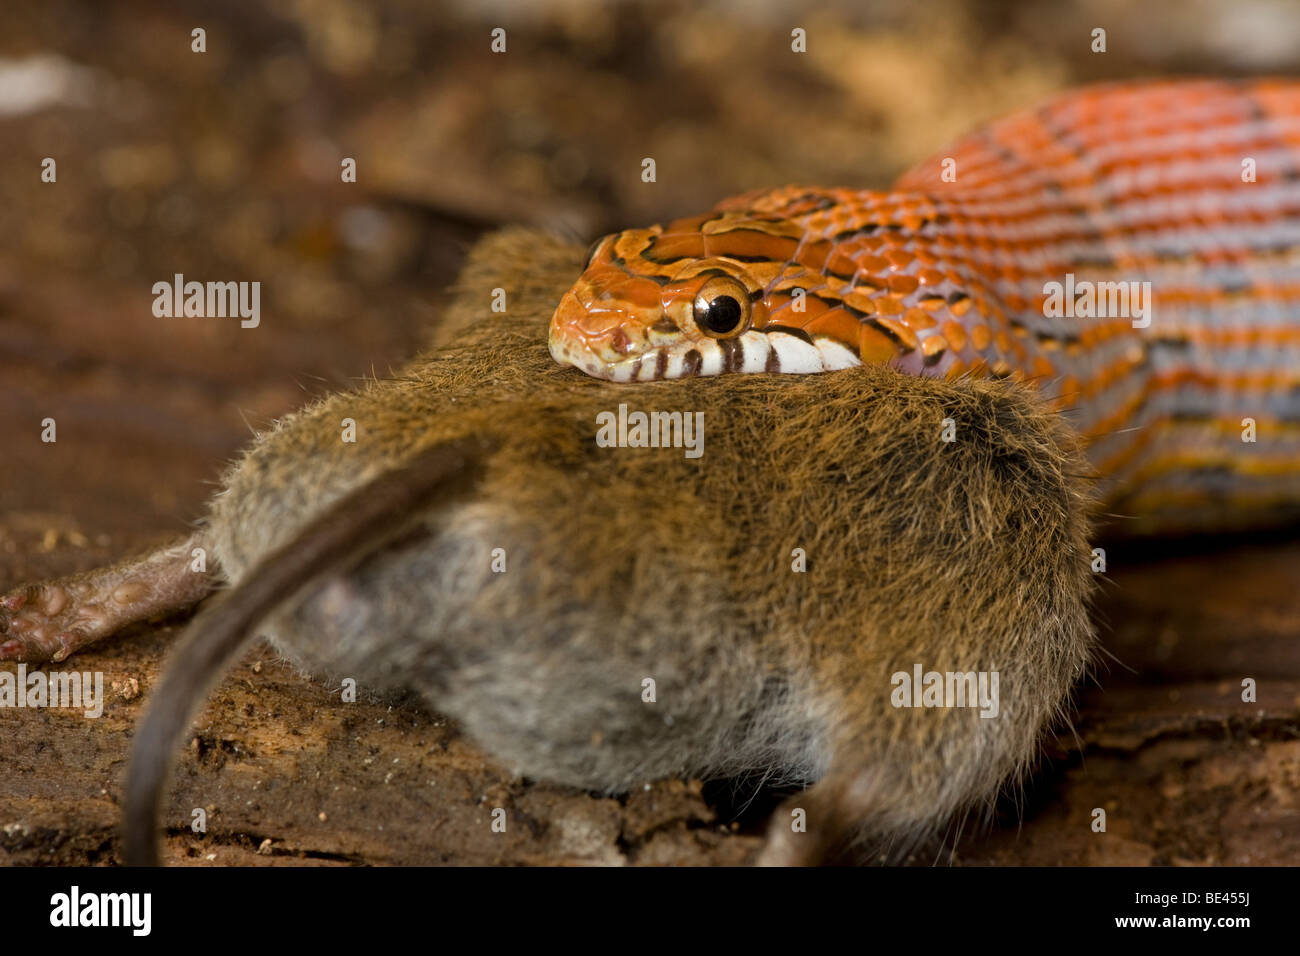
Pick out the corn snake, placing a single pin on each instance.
(1191, 186)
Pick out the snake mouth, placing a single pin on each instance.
(790, 351)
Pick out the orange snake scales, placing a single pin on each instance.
(1023, 251)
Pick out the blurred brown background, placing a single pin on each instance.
(225, 165)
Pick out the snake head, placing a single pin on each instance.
(669, 302)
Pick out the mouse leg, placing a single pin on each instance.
(820, 826)
(50, 620)
(868, 814)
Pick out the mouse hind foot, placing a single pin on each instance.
(881, 814)
(50, 620)
(830, 824)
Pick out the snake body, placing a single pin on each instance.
(973, 265)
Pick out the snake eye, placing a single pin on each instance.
(722, 308)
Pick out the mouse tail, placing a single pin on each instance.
(349, 529)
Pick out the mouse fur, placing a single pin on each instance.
(625, 564)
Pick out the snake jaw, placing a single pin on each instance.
(753, 351)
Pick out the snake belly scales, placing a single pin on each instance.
(1191, 186)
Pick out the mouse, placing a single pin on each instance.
(802, 487)
(605, 613)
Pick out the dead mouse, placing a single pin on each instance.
(869, 581)
(607, 616)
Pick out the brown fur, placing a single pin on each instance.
(626, 563)
(630, 563)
